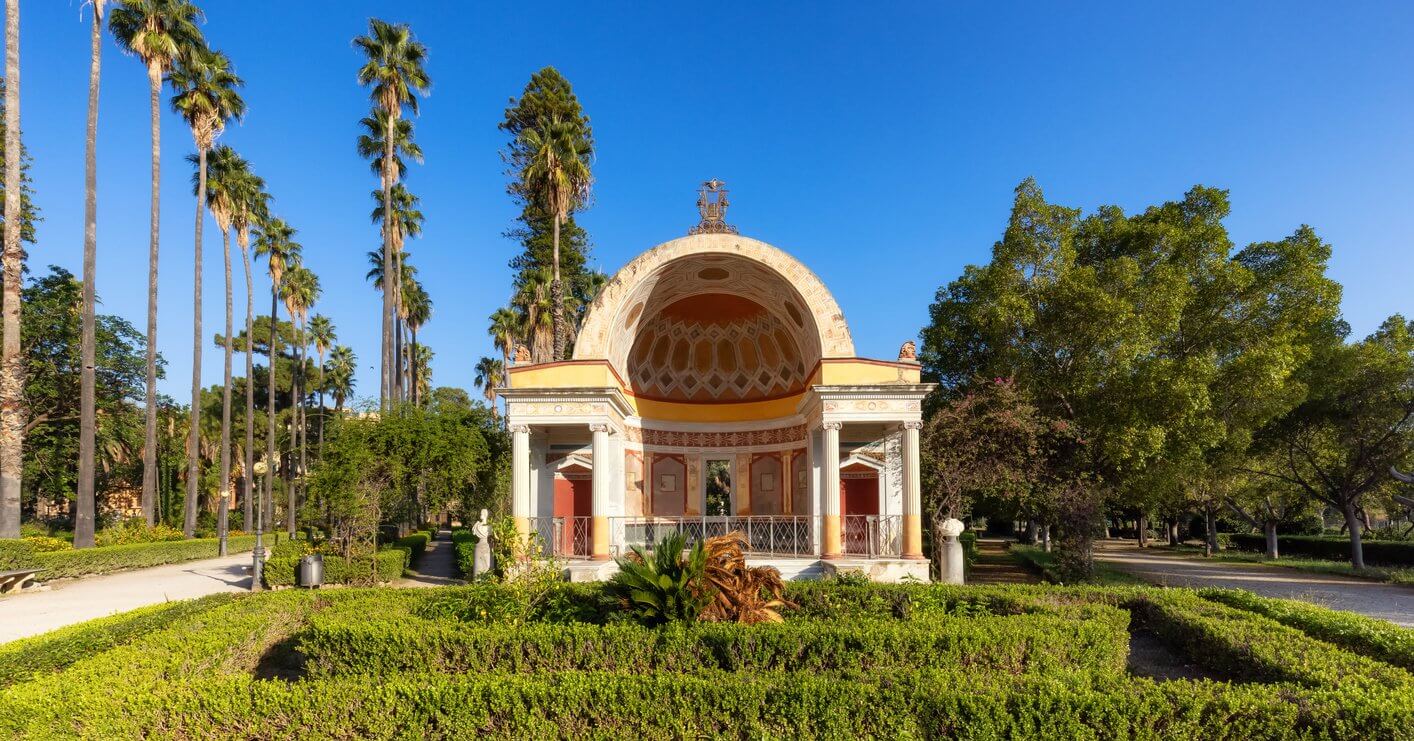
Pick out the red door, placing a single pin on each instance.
(574, 499)
(859, 499)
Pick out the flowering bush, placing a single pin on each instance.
(45, 544)
(134, 530)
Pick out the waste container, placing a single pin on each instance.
(311, 571)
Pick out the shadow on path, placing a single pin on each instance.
(437, 567)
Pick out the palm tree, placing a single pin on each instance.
(417, 310)
(394, 70)
(276, 244)
(321, 332)
(406, 223)
(251, 206)
(490, 375)
(226, 181)
(534, 308)
(206, 98)
(422, 381)
(373, 143)
(85, 505)
(342, 364)
(156, 32)
(12, 363)
(504, 330)
(557, 180)
(301, 291)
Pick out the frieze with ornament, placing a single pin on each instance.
(873, 405)
(681, 439)
(571, 408)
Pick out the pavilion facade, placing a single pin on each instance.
(714, 387)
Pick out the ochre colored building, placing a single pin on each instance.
(714, 387)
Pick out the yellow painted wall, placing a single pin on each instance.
(849, 372)
(558, 376)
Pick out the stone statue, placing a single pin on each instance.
(522, 355)
(908, 353)
(481, 560)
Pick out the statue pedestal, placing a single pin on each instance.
(952, 569)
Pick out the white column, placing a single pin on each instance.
(602, 480)
(830, 489)
(912, 493)
(520, 477)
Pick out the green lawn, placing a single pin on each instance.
(850, 661)
(1312, 565)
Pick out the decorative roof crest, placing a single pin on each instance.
(712, 205)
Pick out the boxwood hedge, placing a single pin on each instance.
(107, 559)
(388, 565)
(1332, 548)
(1377, 639)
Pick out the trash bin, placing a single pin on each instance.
(311, 571)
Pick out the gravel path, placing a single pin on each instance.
(65, 603)
(437, 567)
(1390, 602)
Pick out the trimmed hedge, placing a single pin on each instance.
(1247, 646)
(391, 562)
(107, 559)
(355, 645)
(414, 544)
(1363, 635)
(28, 658)
(465, 544)
(1377, 552)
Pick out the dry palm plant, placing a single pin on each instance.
(743, 594)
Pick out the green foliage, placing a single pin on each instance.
(1376, 639)
(664, 586)
(380, 567)
(414, 544)
(352, 643)
(16, 554)
(135, 530)
(28, 658)
(198, 676)
(44, 543)
(1335, 548)
(106, 559)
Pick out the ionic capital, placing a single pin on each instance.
(519, 429)
(913, 425)
(830, 426)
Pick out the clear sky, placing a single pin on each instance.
(877, 142)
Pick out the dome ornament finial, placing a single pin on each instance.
(712, 205)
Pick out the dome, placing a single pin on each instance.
(714, 318)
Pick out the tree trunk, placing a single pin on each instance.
(12, 363)
(303, 418)
(386, 380)
(247, 511)
(85, 505)
(1352, 521)
(149, 446)
(1033, 532)
(272, 348)
(224, 495)
(557, 300)
(1046, 538)
(1269, 529)
(1172, 527)
(413, 384)
(194, 435)
(322, 413)
(291, 495)
(1141, 530)
(1210, 526)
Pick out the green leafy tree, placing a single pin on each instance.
(1356, 422)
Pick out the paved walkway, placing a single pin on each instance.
(1390, 602)
(66, 603)
(994, 565)
(437, 567)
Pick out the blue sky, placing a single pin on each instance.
(879, 143)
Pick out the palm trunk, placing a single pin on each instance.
(303, 417)
(386, 391)
(223, 514)
(557, 299)
(291, 499)
(12, 363)
(249, 467)
(399, 386)
(85, 506)
(322, 414)
(412, 374)
(274, 352)
(194, 438)
(149, 447)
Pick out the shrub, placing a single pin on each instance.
(354, 644)
(135, 530)
(107, 559)
(1366, 636)
(1377, 552)
(389, 564)
(465, 545)
(46, 544)
(16, 554)
(414, 544)
(27, 658)
(663, 586)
